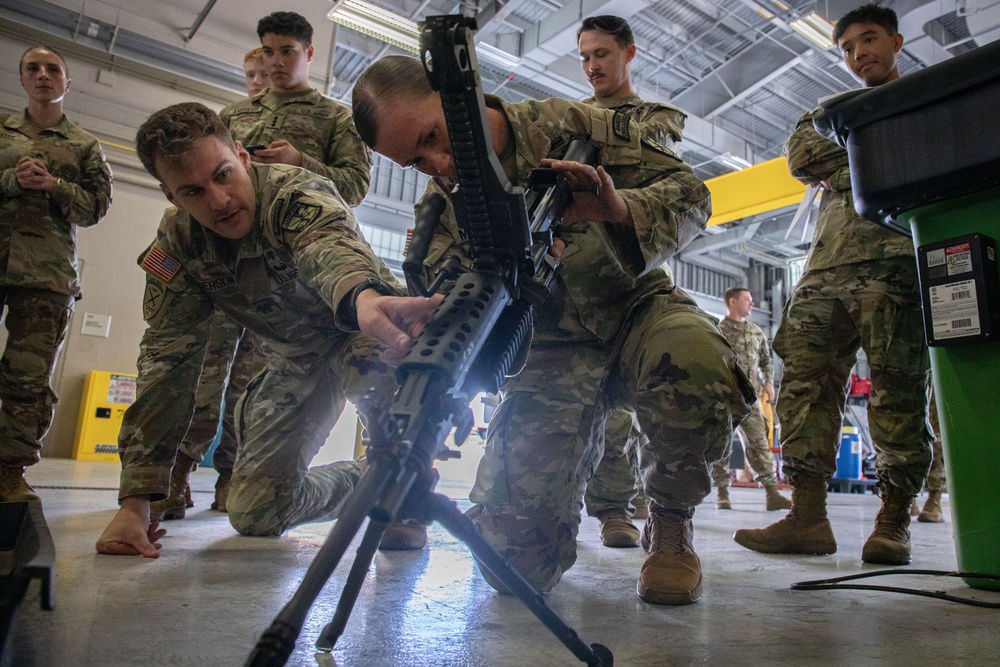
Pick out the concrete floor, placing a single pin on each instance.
(212, 593)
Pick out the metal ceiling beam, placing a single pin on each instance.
(763, 82)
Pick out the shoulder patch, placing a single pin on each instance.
(619, 125)
(301, 216)
(153, 299)
(160, 264)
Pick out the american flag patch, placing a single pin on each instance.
(160, 264)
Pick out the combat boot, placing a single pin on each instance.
(671, 573)
(617, 529)
(915, 508)
(14, 487)
(889, 543)
(174, 506)
(404, 535)
(805, 530)
(932, 509)
(221, 491)
(776, 501)
(641, 509)
(722, 498)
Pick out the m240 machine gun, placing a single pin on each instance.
(472, 342)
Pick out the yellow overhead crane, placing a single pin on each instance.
(763, 187)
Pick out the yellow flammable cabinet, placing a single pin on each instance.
(106, 396)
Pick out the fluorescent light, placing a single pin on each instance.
(764, 13)
(497, 56)
(371, 20)
(816, 29)
(732, 161)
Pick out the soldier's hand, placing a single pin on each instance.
(604, 206)
(394, 321)
(33, 174)
(131, 533)
(769, 393)
(279, 151)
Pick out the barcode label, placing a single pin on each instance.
(955, 310)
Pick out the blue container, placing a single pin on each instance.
(849, 456)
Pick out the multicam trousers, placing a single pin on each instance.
(875, 306)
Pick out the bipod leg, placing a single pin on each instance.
(352, 587)
(278, 641)
(447, 513)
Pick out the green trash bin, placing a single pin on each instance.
(925, 161)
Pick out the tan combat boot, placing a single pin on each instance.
(404, 535)
(889, 543)
(671, 573)
(221, 491)
(776, 501)
(805, 530)
(932, 509)
(174, 506)
(617, 529)
(722, 498)
(14, 487)
(915, 508)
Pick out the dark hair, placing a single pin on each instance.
(871, 13)
(615, 26)
(169, 134)
(733, 293)
(20, 64)
(288, 24)
(387, 80)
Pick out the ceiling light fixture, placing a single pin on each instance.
(372, 20)
(816, 29)
(732, 161)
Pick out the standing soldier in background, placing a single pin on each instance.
(937, 482)
(292, 120)
(224, 378)
(257, 78)
(607, 48)
(53, 179)
(859, 289)
(754, 355)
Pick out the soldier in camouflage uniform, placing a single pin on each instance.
(277, 249)
(859, 289)
(615, 333)
(606, 47)
(53, 179)
(754, 354)
(224, 377)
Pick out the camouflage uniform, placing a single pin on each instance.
(614, 484)
(612, 334)
(39, 276)
(859, 289)
(320, 128)
(937, 481)
(283, 282)
(754, 354)
(231, 361)
(324, 133)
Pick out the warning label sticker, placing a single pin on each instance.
(958, 258)
(955, 310)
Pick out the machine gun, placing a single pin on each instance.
(472, 342)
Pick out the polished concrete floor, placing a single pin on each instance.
(212, 593)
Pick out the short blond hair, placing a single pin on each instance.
(254, 54)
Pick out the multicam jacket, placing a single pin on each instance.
(284, 282)
(664, 121)
(752, 350)
(605, 269)
(37, 228)
(320, 128)
(842, 236)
